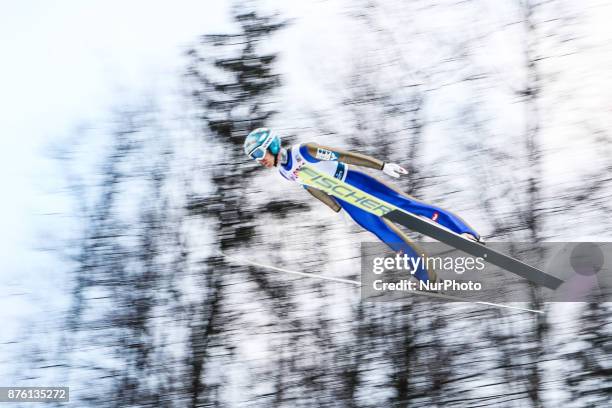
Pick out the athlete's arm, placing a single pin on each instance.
(324, 198)
(320, 152)
(317, 152)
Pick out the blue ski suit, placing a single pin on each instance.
(335, 162)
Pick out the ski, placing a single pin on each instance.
(344, 191)
(473, 248)
(437, 295)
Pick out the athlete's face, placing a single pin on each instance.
(268, 160)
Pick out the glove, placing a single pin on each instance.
(394, 170)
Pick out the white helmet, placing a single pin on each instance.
(259, 141)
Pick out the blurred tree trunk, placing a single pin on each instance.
(532, 214)
(588, 371)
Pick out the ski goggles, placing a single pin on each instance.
(260, 151)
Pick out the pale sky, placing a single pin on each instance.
(69, 63)
(66, 63)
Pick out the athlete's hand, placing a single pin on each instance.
(394, 170)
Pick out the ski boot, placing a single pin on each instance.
(471, 237)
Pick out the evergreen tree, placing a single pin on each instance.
(232, 83)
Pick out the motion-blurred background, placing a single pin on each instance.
(123, 176)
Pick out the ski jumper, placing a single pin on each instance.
(335, 162)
